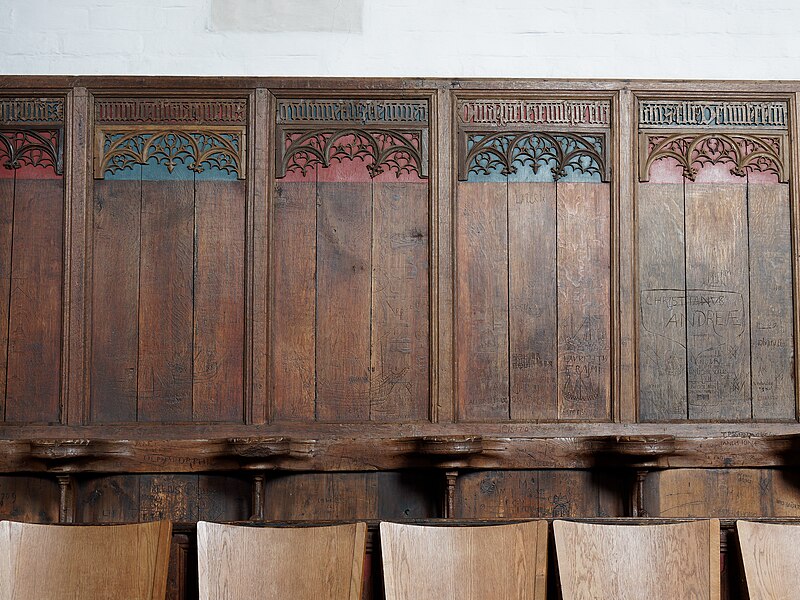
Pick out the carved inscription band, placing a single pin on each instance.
(153, 111)
(501, 113)
(669, 113)
(32, 110)
(353, 112)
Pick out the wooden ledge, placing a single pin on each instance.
(69, 455)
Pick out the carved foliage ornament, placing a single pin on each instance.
(195, 149)
(31, 147)
(744, 152)
(383, 150)
(562, 153)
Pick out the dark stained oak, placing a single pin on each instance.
(280, 563)
(473, 563)
(165, 301)
(399, 318)
(6, 234)
(343, 303)
(218, 294)
(482, 302)
(293, 315)
(115, 301)
(47, 562)
(34, 336)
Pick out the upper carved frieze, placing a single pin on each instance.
(386, 134)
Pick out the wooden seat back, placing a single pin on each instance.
(280, 563)
(99, 562)
(771, 559)
(631, 562)
(465, 563)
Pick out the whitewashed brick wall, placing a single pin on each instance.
(697, 39)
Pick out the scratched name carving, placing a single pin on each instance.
(560, 152)
(31, 147)
(677, 113)
(745, 152)
(196, 149)
(351, 111)
(170, 111)
(501, 113)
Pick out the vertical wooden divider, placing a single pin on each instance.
(626, 307)
(441, 252)
(259, 290)
(78, 202)
(6, 237)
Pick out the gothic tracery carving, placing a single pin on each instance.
(31, 147)
(561, 152)
(694, 150)
(196, 149)
(385, 149)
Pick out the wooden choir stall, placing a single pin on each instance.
(409, 303)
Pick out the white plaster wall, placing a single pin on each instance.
(698, 39)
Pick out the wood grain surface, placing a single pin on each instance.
(468, 563)
(771, 562)
(254, 563)
(625, 562)
(49, 562)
